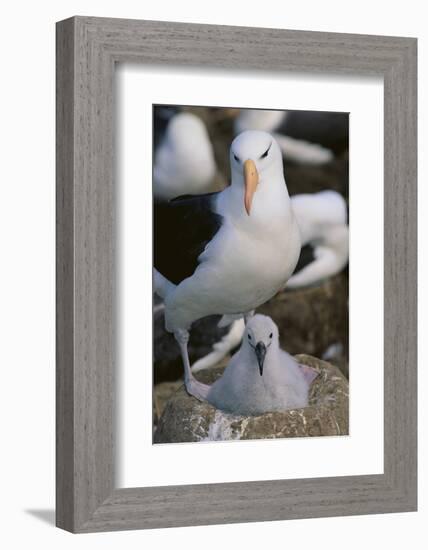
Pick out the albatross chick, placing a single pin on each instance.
(261, 377)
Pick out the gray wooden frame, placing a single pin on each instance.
(87, 50)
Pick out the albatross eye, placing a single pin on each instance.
(265, 154)
(235, 157)
(271, 335)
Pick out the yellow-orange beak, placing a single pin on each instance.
(251, 180)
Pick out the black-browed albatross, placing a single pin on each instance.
(229, 252)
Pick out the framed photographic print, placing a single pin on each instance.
(236, 274)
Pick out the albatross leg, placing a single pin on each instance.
(193, 387)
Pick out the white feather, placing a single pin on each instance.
(258, 119)
(293, 149)
(243, 391)
(252, 256)
(322, 219)
(184, 162)
(221, 348)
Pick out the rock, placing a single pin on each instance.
(186, 419)
(161, 395)
(163, 391)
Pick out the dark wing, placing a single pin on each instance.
(182, 228)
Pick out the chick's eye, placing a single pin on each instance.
(271, 335)
(249, 337)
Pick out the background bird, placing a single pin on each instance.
(228, 252)
(322, 219)
(301, 150)
(184, 162)
(261, 377)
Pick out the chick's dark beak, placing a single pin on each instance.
(260, 351)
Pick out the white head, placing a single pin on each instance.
(261, 337)
(255, 161)
(186, 126)
(184, 163)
